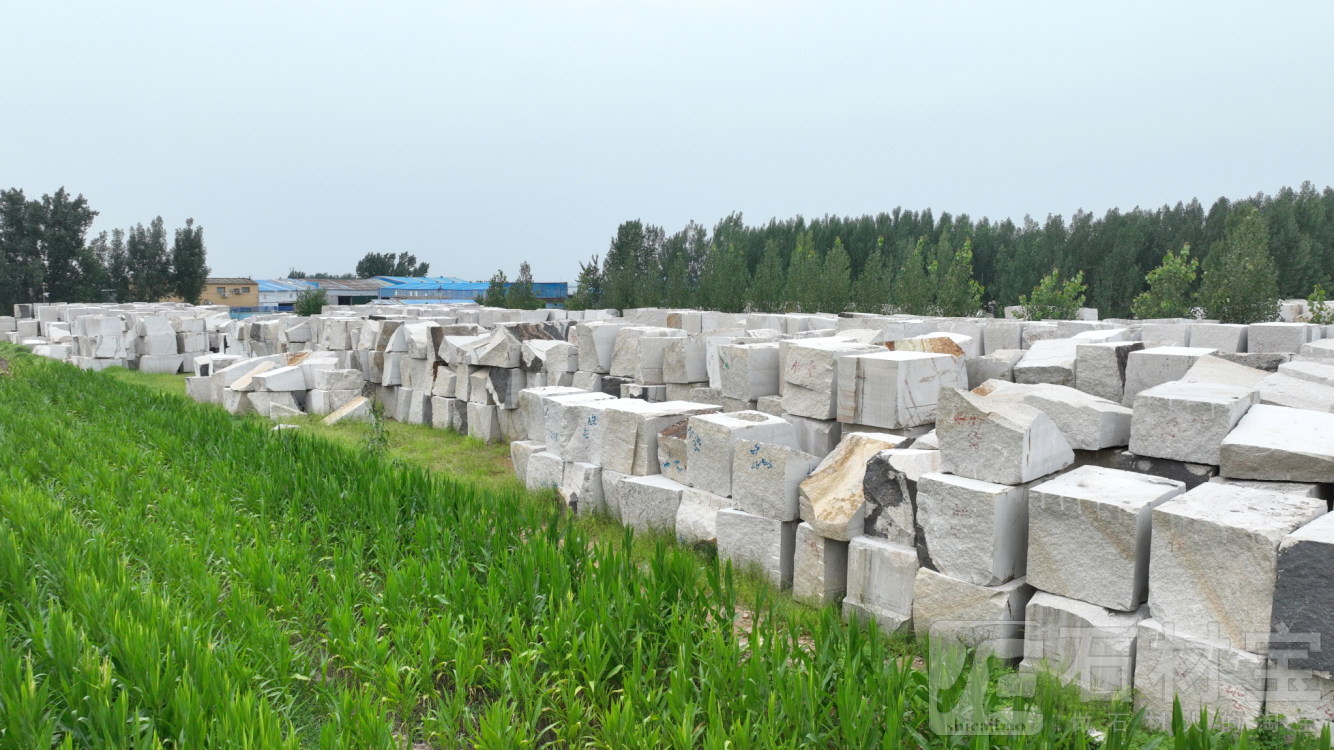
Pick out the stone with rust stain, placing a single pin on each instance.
(832, 499)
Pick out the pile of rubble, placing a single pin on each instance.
(1132, 504)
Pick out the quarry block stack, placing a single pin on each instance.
(1128, 504)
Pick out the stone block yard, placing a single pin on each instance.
(1122, 517)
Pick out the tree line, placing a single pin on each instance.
(45, 255)
(922, 263)
(372, 265)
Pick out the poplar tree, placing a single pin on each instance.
(766, 289)
(912, 289)
(957, 293)
(872, 291)
(836, 280)
(804, 272)
(1240, 283)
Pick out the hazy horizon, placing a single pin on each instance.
(477, 135)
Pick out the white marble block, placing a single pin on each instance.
(997, 442)
(809, 372)
(709, 439)
(749, 371)
(1187, 421)
(1280, 444)
(561, 420)
(1082, 644)
(484, 422)
(815, 436)
(1089, 531)
(1225, 337)
(1214, 560)
(819, 568)
(596, 340)
(750, 541)
(974, 531)
(520, 452)
(632, 430)
(581, 487)
(895, 389)
(880, 582)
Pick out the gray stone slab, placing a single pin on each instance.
(880, 581)
(1278, 444)
(1001, 443)
(1089, 532)
(1227, 682)
(989, 619)
(1100, 368)
(1187, 421)
(765, 544)
(1150, 367)
(1082, 644)
(819, 568)
(971, 530)
(1304, 595)
(1214, 558)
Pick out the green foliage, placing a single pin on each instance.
(1319, 311)
(1054, 299)
(958, 294)
(149, 262)
(804, 276)
(520, 294)
(188, 267)
(1240, 283)
(388, 264)
(310, 302)
(1168, 295)
(621, 269)
(872, 290)
(836, 280)
(724, 281)
(912, 289)
(766, 289)
(72, 268)
(588, 288)
(495, 291)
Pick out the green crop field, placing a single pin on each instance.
(171, 576)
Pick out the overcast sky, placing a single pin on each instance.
(477, 135)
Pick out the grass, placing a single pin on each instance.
(173, 577)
